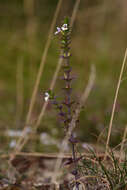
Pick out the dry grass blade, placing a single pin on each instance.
(122, 143)
(21, 144)
(32, 102)
(114, 103)
(72, 125)
(48, 155)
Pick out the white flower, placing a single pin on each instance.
(58, 30)
(12, 144)
(64, 27)
(46, 96)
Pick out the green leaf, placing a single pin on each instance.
(66, 20)
(51, 94)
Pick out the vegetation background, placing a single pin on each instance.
(98, 37)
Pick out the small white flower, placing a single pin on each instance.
(64, 27)
(58, 30)
(12, 144)
(46, 96)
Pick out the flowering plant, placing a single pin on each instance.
(65, 107)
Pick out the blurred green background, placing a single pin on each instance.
(98, 37)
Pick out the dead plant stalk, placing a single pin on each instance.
(114, 103)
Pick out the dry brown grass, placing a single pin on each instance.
(114, 103)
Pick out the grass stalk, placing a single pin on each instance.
(122, 143)
(114, 103)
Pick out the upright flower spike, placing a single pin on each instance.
(63, 28)
(65, 107)
(65, 32)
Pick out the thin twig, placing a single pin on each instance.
(49, 155)
(114, 103)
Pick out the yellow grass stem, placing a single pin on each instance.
(122, 143)
(45, 155)
(114, 103)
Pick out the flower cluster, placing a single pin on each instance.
(46, 97)
(64, 27)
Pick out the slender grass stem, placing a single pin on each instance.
(122, 143)
(114, 103)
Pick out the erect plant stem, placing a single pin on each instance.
(68, 103)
